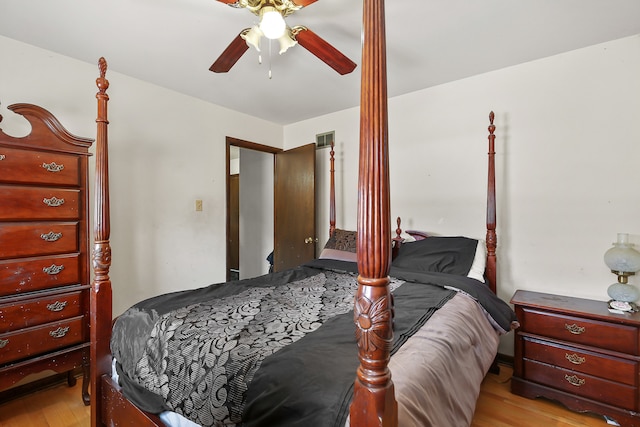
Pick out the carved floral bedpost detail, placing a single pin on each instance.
(101, 302)
(492, 240)
(374, 402)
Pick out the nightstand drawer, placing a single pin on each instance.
(34, 312)
(33, 274)
(18, 203)
(38, 167)
(612, 368)
(610, 336)
(33, 341)
(612, 393)
(43, 238)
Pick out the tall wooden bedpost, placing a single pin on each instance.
(332, 191)
(492, 240)
(101, 302)
(373, 402)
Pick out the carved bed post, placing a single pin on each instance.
(332, 191)
(374, 402)
(101, 302)
(491, 238)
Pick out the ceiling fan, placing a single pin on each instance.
(273, 26)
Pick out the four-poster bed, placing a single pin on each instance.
(385, 322)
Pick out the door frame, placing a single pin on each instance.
(240, 143)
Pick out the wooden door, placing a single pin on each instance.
(294, 204)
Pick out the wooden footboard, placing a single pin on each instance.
(118, 411)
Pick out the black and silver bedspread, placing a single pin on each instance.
(278, 350)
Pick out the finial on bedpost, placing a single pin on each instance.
(397, 241)
(102, 82)
(332, 191)
(100, 298)
(491, 238)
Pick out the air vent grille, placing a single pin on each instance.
(325, 139)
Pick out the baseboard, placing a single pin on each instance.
(505, 359)
(39, 384)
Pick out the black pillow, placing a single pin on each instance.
(451, 255)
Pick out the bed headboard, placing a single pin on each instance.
(491, 239)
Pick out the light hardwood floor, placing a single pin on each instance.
(62, 406)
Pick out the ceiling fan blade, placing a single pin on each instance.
(324, 51)
(230, 56)
(303, 3)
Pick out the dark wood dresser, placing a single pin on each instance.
(576, 352)
(44, 251)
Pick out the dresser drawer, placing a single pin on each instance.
(32, 274)
(34, 312)
(613, 368)
(41, 339)
(17, 203)
(42, 238)
(610, 336)
(580, 384)
(37, 167)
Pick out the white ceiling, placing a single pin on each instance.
(172, 43)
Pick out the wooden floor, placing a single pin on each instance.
(62, 406)
(497, 407)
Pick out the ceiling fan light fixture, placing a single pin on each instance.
(272, 23)
(286, 41)
(252, 37)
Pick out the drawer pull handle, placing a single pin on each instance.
(53, 167)
(574, 380)
(2, 157)
(575, 359)
(51, 236)
(57, 306)
(53, 202)
(3, 342)
(53, 269)
(575, 329)
(60, 332)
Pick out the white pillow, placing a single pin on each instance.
(479, 262)
(406, 237)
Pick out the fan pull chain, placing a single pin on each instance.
(270, 59)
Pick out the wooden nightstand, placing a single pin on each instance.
(576, 352)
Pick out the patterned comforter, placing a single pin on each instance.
(274, 350)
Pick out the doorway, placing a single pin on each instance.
(273, 192)
(250, 236)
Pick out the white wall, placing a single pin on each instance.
(568, 164)
(256, 211)
(166, 151)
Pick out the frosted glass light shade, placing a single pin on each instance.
(272, 23)
(252, 37)
(622, 257)
(623, 292)
(286, 42)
